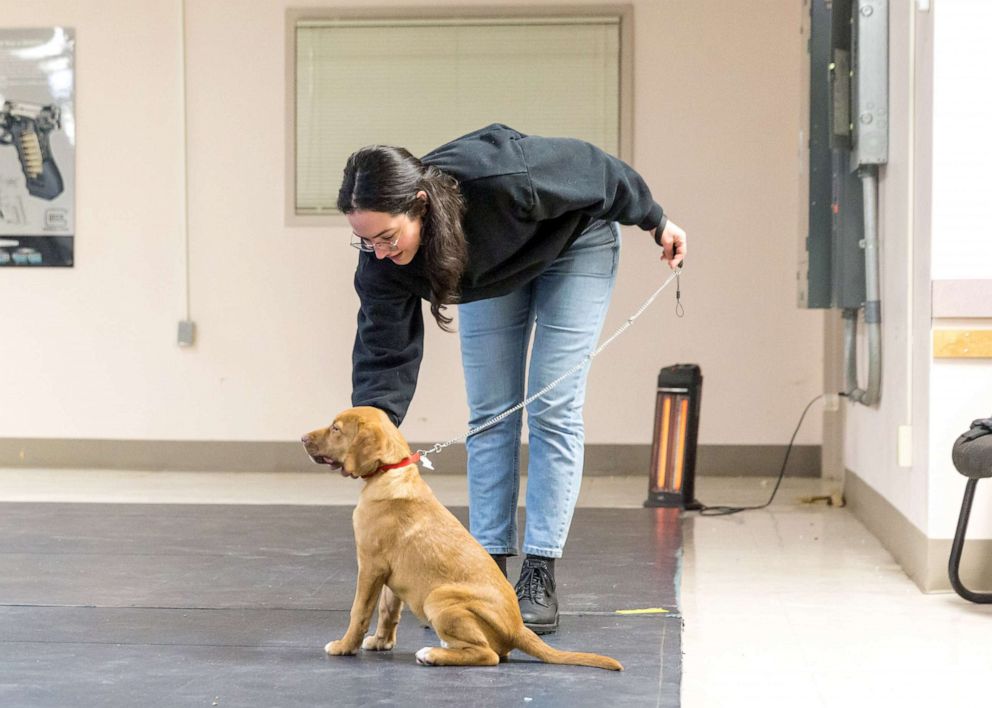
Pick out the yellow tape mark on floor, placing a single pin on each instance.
(645, 611)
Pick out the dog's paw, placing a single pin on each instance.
(339, 648)
(424, 657)
(373, 643)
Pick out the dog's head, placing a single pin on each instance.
(358, 442)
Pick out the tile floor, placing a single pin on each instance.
(795, 605)
(800, 605)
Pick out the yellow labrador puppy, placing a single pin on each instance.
(412, 549)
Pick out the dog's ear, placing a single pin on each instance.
(363, 454)
(394, 445)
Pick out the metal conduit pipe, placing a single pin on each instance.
(872, 307)
(850, 315)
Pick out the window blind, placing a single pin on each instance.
(421, 83)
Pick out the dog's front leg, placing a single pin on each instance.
(370, 582)
(390, 607)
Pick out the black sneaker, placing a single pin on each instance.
(536, 594)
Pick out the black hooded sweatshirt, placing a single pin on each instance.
(527, 199)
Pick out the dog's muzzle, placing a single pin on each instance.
(322, 460)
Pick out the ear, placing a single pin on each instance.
(363, 454)
(394, 446)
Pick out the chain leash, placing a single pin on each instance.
(425, 461)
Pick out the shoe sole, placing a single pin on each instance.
(542, 628)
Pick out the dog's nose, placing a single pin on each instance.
(305, 439)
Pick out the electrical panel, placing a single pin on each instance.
(832, 267)
(870, 85)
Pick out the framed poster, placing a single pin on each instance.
(37, 147)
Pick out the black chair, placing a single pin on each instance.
(972, 456)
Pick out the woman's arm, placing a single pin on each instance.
(389, 346)
(570, 175)
(573, 175)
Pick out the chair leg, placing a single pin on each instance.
(957, 546)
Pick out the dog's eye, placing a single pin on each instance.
(336, 428)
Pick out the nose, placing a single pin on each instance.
(306, 439)
(381, 253)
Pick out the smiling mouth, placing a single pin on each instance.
(322, 460)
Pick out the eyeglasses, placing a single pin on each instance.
(368, 246)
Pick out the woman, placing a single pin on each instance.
(521, 232)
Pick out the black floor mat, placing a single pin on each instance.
(182, 605)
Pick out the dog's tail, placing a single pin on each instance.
(529, 643)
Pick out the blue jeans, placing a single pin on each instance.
(563, 309)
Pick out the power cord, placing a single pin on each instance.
(728, 510)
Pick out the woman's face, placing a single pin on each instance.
(383, 230)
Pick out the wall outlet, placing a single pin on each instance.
(187, 333)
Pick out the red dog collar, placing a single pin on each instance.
(412, 459)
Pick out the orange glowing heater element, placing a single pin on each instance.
(673, 450)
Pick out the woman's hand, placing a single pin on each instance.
(673, 243)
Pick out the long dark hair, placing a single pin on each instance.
(387, 179)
